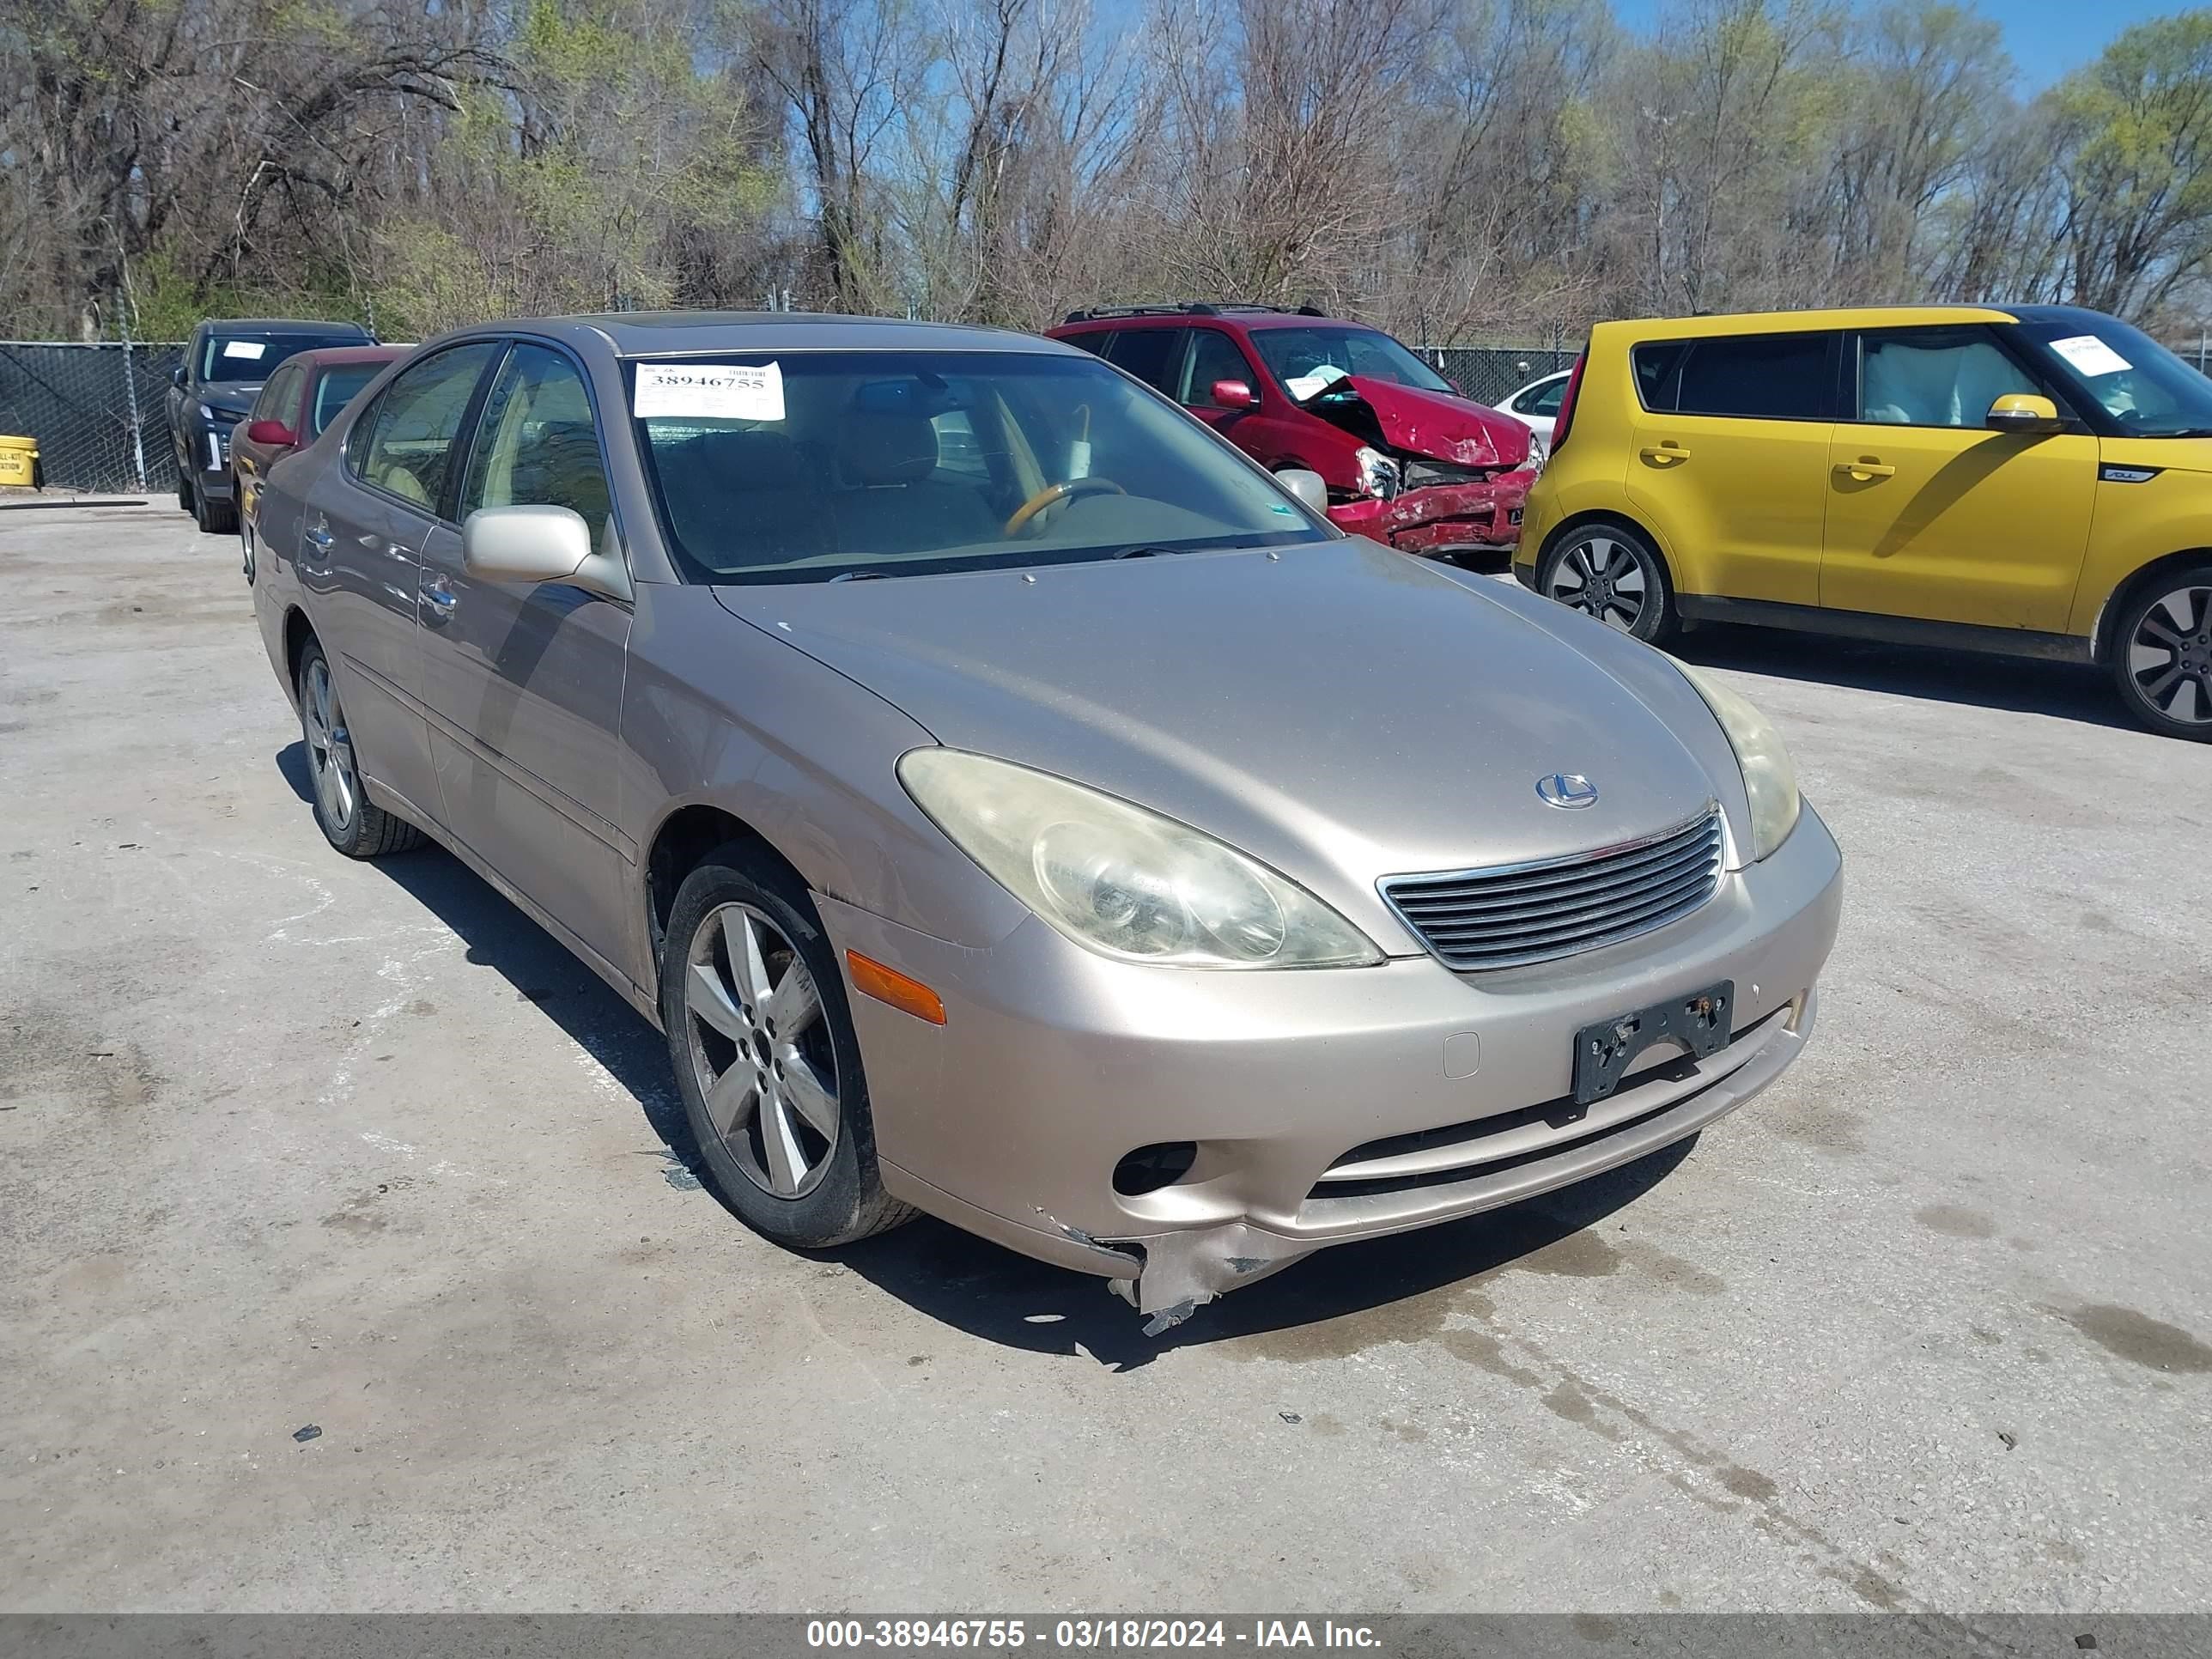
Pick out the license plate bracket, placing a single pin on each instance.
(1699, 1022)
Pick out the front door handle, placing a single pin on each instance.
(441, 600)
(1665, 453)
(320, 539)
(1860, 470)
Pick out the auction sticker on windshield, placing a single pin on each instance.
(720, 392)
(2091, 354)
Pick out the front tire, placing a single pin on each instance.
(766, 1056)
(1610, 570)
(214, 518)
(2162, 654)
(350, 821)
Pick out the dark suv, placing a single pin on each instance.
(226, 365)
(1406, 458)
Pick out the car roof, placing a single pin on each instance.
(327, 356)
(1234, 317)
(282, 325)
(677, 333)
(1792, 322)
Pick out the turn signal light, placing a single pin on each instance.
(909, 996)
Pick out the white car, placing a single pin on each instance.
(1536, 406)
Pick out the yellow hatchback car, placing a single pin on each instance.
(2030, 479)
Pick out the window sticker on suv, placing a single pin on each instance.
(2091, 354)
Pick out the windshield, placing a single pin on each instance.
(821, 464)
(2146, 389)
(1307, 359)
(246, 358)
(339, 386)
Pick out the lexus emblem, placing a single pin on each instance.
(1566, 790)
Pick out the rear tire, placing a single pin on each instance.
(747, 977)
(350, 821)
(1610, 571)
(2161, 651)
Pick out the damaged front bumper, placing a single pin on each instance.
(1441, 518)
(1184, 1133)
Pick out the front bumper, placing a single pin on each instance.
(208, 445)
(1441, 517)
(1056, 1063)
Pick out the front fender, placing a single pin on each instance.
(718, 712)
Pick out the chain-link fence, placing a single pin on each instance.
(97, 411)
(1491, 373)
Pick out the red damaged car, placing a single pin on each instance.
(1408, 460)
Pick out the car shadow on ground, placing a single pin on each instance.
(955, 1278)
(540, 970)
(2064, 691)
(990, 1292)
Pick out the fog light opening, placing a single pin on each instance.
(1151, 1168)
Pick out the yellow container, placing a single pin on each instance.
(19, 461)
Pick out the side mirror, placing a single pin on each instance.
(178, 379)
(1309, 487)
(275, 433)
(2019, 412)
(1233, 394)
(538, 545)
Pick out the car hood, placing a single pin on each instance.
(1433, 424)
(236, 400)
(1339, 711)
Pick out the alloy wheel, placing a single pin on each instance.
(761, 1051)
(1601, 577)
(330, 747)
(2170, 657)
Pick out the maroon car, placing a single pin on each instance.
(303, 397)
(1406, 458)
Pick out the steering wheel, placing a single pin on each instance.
(1066, 490)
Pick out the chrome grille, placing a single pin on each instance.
(1514, 915)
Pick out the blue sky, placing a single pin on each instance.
(2046, 38)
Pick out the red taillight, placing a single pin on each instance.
(1564, 419)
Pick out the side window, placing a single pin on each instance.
(536, 445)
(407, 444)
(1150, 354)
(1213, 356)
(1094, 341)
(1935, 377)
(1772, 377)
(1544, 400)
(280, 398)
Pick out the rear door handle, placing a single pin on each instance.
(1665, 453)
(1864, 470)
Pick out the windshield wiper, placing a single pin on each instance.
(858, 576)
(1146, 550)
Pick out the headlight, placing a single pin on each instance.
(1123, 881)
(206, 414)
(1768, 777)
(1379, 476)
